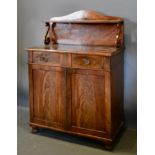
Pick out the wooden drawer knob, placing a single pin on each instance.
(44, 58)
(86, 61)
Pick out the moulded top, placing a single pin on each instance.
(89, 50)
(86, 16)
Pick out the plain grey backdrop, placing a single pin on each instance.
(31, 31)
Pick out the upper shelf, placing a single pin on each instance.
(86, 16)
(85, 27)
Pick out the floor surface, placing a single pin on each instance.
(55, 143)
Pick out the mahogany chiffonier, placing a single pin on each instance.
(76, 78)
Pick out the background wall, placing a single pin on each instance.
(31, 30)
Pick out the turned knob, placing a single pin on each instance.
(86, 61)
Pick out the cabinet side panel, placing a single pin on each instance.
(117, 91)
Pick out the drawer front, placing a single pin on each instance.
(87, 61)
(54, 59)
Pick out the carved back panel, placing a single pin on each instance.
(87, 34)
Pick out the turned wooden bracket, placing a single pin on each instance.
(47, 39)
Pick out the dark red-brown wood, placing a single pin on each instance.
(78, 89)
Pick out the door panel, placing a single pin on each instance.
(48, 96)
(88, 102)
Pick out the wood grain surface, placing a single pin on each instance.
(94, 34)
(78, 88)
(88, 110)
(48, 96)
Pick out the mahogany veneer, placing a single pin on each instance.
(76, 80)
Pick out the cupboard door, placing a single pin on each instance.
(88, 109)
(47, 105)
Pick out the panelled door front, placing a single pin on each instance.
(48, 95)
(87, 106)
